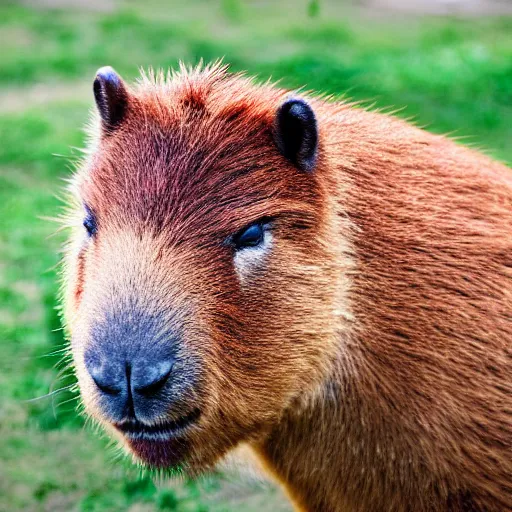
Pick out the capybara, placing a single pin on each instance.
(328, 286)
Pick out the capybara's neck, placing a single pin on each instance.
(347, 450)
(304, 450)
(341, 422)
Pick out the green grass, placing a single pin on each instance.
(450, 75)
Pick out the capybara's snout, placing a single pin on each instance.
(134, 362)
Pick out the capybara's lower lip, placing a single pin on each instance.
(136, 430)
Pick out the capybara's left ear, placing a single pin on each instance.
(111, 97)
(296, 133)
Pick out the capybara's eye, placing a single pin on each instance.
(251, 236)
(90, 224)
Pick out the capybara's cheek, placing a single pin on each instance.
(74, 280)
(286, 343)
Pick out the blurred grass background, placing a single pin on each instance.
(450, 73)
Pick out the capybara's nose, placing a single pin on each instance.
(148, 382)
(130, 387)
(131, 359)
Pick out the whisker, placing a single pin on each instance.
(52, 354)
(72, 399)
(49, 394)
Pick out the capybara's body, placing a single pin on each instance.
(330, 286)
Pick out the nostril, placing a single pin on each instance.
(108, 389)
(155, 384)
(104, 373)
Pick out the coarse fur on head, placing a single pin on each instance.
(328, 285)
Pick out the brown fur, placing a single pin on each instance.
(368, 363)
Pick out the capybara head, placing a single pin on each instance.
(200, 284)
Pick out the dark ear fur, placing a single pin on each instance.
(111, 97)
(296, 133)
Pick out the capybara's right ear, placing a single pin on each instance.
(296, 133)
(111, 97)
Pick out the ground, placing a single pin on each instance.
(452, 75)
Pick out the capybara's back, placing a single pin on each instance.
(328, 286)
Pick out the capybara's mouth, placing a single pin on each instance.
(136, 430)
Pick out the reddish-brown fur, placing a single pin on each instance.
(368, 362)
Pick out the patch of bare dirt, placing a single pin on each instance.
(16, 99)
(81, 5)
(440, 7)
(16, 37)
